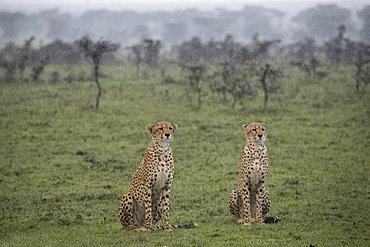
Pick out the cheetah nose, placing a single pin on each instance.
(167, 135)
(260, 136)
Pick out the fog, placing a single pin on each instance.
(173, 23)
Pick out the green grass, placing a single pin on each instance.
(64, 167)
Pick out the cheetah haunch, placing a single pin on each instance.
(147, 200)
(251, 201)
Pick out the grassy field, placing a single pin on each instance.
(64, 166)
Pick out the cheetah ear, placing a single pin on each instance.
(245, 126)
(174, 126)
(264, 125)
(150, 127)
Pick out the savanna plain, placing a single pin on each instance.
(64, 166)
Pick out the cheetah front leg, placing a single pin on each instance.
(259, 204)
(245, 197)
(165, 207)
(148, 211)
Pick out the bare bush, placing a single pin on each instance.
(234, 82)
(95, 51)
(195, 79)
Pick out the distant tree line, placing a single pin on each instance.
(174, 27)
(240, 67)
(305, 53)
(227, 50)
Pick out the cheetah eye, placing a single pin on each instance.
(254, 130)
(263, 129)
(170, 128)
(161, 129)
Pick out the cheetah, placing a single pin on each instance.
(251, 201)
(147, 200)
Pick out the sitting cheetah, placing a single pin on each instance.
(251, 201)
(147, 200)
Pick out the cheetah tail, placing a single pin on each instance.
(191, 225)
(271, 219)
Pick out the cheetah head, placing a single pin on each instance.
(162, 131)
(255, 132)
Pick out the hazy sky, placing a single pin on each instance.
(62, 2)
(144, 1)
(78, 6)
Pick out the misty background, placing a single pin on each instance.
(172, 24)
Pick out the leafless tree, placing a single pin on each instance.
(269, 82)
(362, 66)
(95, 51)
(196, 74)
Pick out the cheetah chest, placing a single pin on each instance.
(256, 173)
(163, 174)
(162, 177)
(255, 168)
